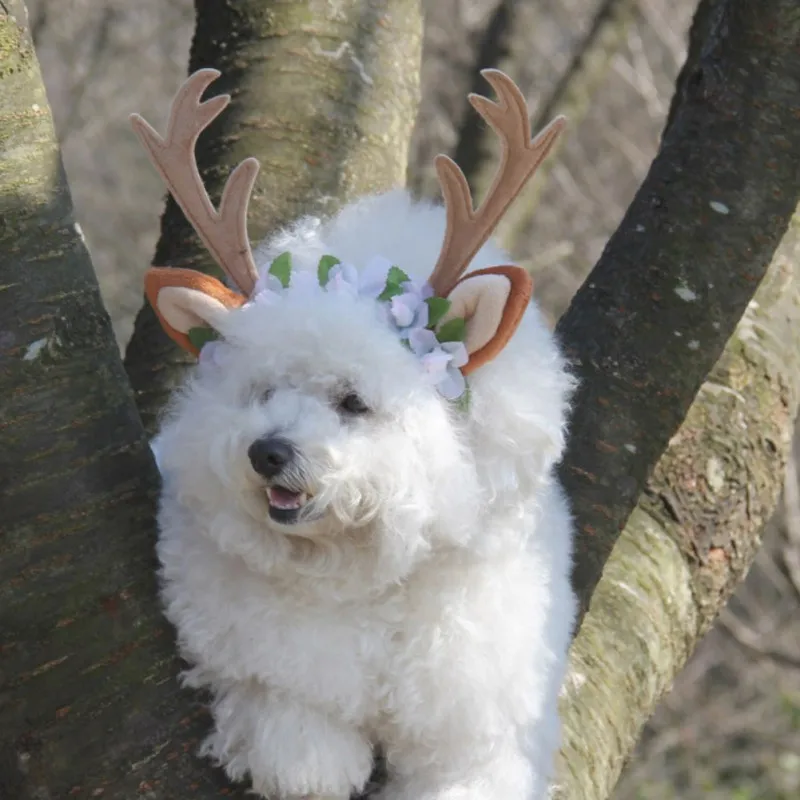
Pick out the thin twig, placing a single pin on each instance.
(753, 641)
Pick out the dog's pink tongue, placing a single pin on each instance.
(283, 498)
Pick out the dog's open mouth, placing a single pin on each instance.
(286, 505)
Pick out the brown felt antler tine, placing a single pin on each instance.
(467, 229)
(223, 232)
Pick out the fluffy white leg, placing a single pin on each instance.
(288, 749)
(503, 774)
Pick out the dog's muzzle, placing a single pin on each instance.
(275, 459)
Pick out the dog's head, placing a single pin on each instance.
(328, 397)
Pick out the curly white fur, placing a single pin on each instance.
(427, 608)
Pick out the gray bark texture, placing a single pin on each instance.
(90, 704)
(85, 659)
(691, 538)
(674, 280)
(506, 46)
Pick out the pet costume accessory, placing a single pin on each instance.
(479, 311)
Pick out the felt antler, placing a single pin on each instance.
(492, 301)
(223, 232)
(468, 229)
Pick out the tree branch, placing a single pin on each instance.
(676, 277)
(324, 95)
(78, 616)
(691, 538)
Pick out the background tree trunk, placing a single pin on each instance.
(324, 95)
(506, 46)
(91, 704)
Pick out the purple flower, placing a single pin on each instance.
(441, 362)
(343, 278)
(373, 277)
(212, 356)
(408, 311)
(304, 282)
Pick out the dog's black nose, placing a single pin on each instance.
(270, 455)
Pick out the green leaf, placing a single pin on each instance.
(462, 403)
(396, 275)
(454, 330)
(201, 336)
(391, 290)
(394, 284)
(281, 268)
(326, 264)
(437, 308)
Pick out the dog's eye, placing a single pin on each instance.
(259, 394)
(351, 403)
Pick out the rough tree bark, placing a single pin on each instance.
(80, 631)
(696, 527)
(674, 280)
(690, 539)
(324, 95)
(90, 705)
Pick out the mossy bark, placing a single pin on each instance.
(690, 539)
(674, 280)
(324, 95)
(84, 657)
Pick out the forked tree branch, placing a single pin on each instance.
(81, 632)
(674, 280)
(691, 538)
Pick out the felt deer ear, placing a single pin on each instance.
(491, 302)
(184, 299)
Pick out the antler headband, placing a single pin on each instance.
(491, 301)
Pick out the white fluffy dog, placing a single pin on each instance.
(351, 557)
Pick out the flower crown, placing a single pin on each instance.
(410, 309)
(453, 323)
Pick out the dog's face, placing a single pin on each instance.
(314, 420)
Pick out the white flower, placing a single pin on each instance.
(441, 362)
(343, 279)
(267, 283)
(212, 354)
(373, 276)
(304, 282)
(369, 282)
(408, 311)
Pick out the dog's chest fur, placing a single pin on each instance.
(237, 625)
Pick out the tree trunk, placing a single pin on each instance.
(90, 705)
(654, 315)
(324, 95)
(690, 539)
(85, 665)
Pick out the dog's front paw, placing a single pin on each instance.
(307, 759)
(504, 773)
(287, 749)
